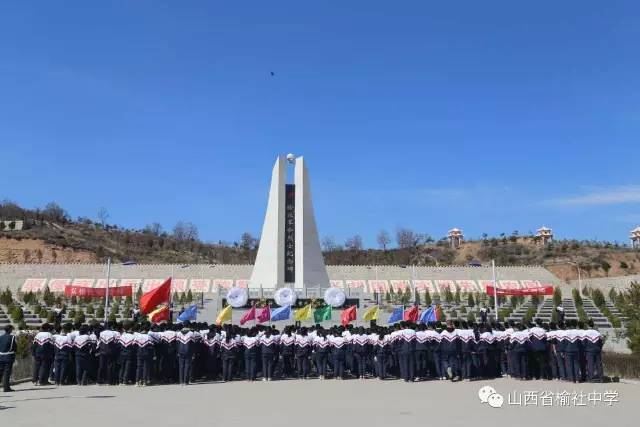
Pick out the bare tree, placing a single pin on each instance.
(383, 239)
(248, 242)
(154, 228)
(354, 243)
(103, 216)
(185, 231)
(407, 238)
(329, 244)
(54, 212)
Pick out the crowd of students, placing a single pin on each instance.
(142, 353)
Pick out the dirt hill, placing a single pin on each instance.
(50, 235)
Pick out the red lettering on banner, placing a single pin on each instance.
(177, 285)
(378, 286)
(509, 284)
(528, 284)
(467, 286)
(57, 285)
(356, 284)
(400, 285)
(424, 285)
(222, 284)
(102, 283)
(485, 283)
(33, 285)
(337, 283)
(443, 285)
(134, 283)
(200, 285)
(242, 283)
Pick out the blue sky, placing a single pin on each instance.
(488, 116)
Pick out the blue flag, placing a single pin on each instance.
(428, 315)
(189, 314)
(397, 315)
(281, 313)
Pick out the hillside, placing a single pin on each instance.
(50, 236)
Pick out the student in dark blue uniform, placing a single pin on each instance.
(380, 350)
(302, 351)
(127, 353)
(450, 346)
(592, 344)
(251, 345)
(8, 348)
(63, 343)
(467, 349)
(538, 350)
(84, 348)
(212, 343)
(321, 353)
(338, 349)
(144, 356)
(552, 362)
(572, 353)
(108, 349)
(406, 352)
(422, 351)
(185, 350)
(269, 353)
(286, 350)
(560, 347)
(228, 355)
(519, 344)
(43, 352)
(359, 345)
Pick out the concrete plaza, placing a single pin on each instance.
(316, 403)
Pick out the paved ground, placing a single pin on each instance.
(311, 403)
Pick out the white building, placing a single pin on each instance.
(544, 235)
(635, 237)
(455, 237)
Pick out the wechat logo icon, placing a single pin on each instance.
(490, 396)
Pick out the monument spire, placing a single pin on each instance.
(289, 253)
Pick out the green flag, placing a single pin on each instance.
(321, 314)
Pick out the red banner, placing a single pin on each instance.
(80, 291)
(543, 290)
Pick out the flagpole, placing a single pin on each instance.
(413, 278)
(171, 294)
(106, 298)
(495, 288)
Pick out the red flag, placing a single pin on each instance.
(152, 299)
(411, 314)
(249, 315)
(159, 314)
(264, 315)
(348, 315)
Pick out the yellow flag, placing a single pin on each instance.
(371, 313)
(303, 314)
(224, 315)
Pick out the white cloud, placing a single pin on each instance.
(602, 196)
